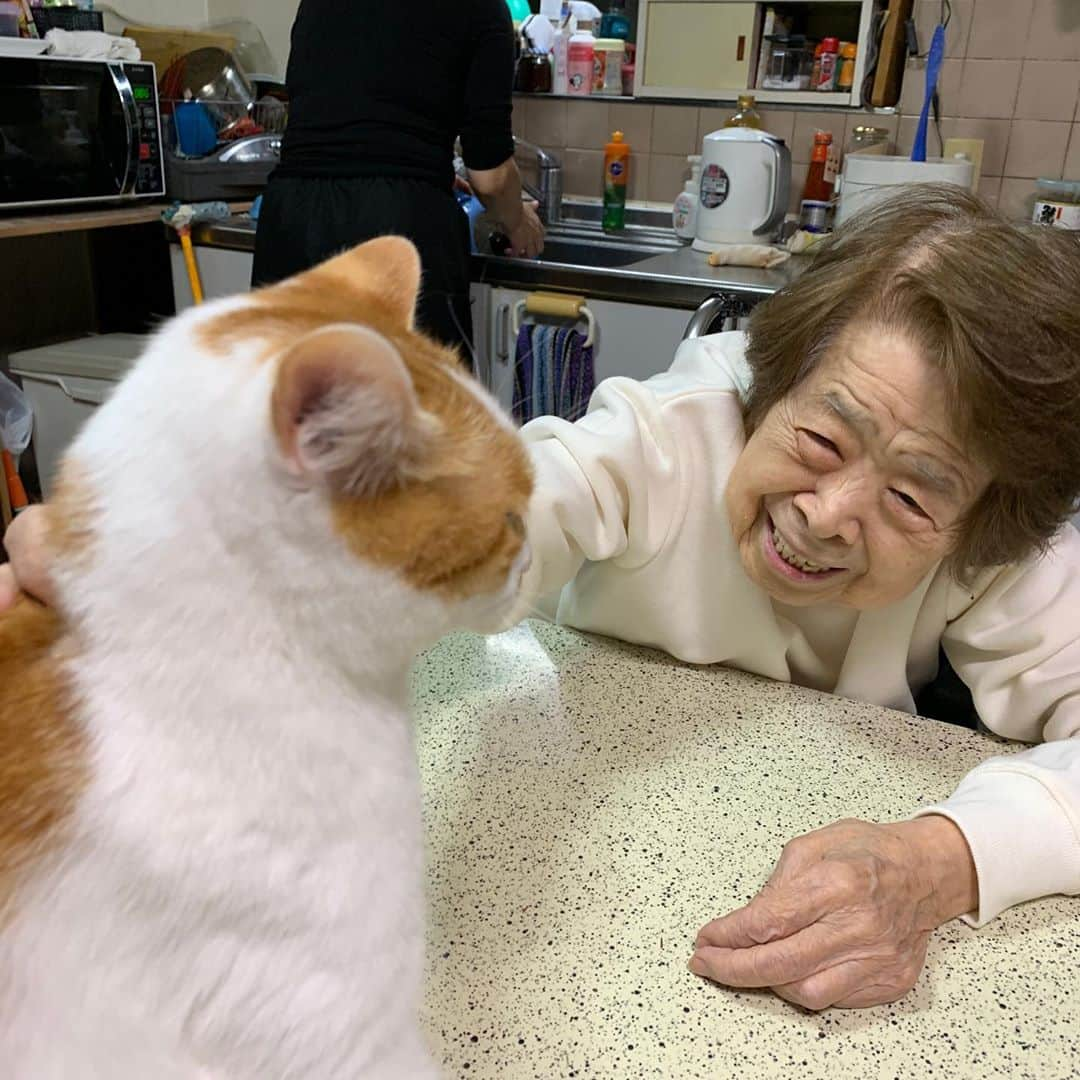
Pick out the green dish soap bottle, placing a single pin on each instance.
(616, 176)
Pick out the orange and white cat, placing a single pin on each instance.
(211, 847)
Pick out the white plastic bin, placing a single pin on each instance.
(65, 383)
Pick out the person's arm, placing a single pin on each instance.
(847, 914)
(28, 571)
(487, 139)
(1017, 647)
(608, 487)
(499, 189)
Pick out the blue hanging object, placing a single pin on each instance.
(933, 70)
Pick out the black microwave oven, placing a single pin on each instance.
(78, 131)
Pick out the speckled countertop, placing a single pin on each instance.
(590, 805)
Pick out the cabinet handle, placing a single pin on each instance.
(502, 333)
(740, 49)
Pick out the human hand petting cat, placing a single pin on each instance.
(27, 572)
(846, 916)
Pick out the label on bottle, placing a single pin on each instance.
(714, 187)
(1059, 215)
(832, 165)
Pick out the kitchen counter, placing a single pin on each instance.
(590, 805)
(681, 278)
(79, 219)
(677, 278)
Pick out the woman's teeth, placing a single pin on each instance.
(789, 556)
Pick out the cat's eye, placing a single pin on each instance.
(515, 524)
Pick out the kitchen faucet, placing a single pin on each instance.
(549, 192)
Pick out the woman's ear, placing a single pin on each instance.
(346, 415)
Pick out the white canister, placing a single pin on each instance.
(869, 176)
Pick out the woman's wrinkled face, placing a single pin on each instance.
(853, 487)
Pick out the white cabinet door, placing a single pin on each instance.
(631, 339)
(696, 46)
(222, 272)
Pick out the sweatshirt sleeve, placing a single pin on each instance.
(607, 486)
(1016, 645)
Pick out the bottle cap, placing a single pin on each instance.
(830, 44)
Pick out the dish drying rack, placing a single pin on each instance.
(234, 119)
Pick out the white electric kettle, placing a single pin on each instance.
(745, 180)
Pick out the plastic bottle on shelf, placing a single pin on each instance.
(615, 23)
(684, 211)
(830, 62)
(746, 115)
(818, 190)
(815, 68)
(607, 65)
(616, 176)
(845, 81)
(579, 64)
(560, 53)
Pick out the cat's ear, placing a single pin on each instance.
(346, 414)
(388, 268)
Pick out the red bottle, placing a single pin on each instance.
(817, 192)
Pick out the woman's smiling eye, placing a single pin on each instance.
(819, 445)
(909, 503)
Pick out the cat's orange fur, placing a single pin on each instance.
(42, 752)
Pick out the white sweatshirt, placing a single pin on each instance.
(629, 523)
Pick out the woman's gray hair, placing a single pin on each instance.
(995, 306)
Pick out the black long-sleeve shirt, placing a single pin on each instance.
(383, 88)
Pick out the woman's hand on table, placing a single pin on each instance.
(846, 916)
(27, 572)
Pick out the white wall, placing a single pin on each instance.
(273, 17)
(161, 12)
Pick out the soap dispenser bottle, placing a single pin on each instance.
(685, 209)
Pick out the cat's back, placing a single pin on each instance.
(43, 763)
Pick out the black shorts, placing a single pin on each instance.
(305, 220)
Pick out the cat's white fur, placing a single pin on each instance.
(243, 680)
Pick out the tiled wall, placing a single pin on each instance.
(1011, 77)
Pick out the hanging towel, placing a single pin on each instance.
(553, 373)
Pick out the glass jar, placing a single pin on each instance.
(1057, 203)
(790, 60)
(869, 140)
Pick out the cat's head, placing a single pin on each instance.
(423, 474)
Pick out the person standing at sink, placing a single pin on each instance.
(378, 94)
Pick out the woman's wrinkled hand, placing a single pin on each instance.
(27, 572)
(846, 916)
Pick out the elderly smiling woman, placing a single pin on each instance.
(882, 468)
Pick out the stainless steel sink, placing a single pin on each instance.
(581, 252)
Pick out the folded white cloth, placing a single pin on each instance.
(92, 45)
(747, 255)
